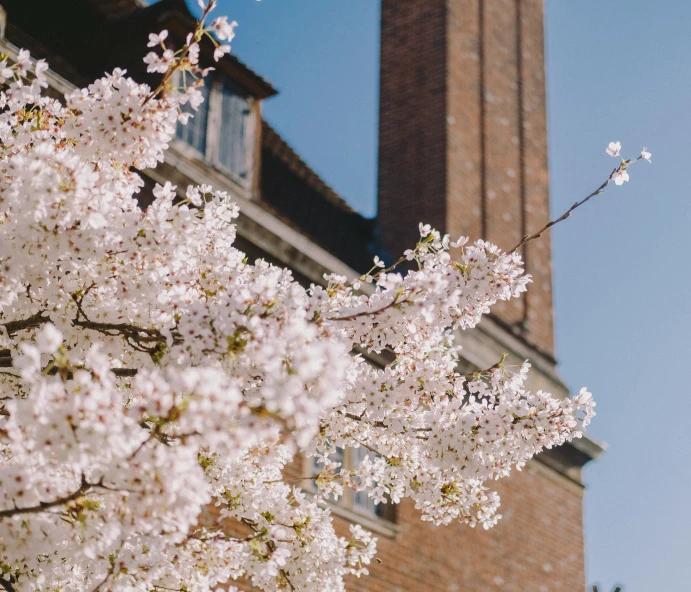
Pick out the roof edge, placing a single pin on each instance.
(273, 141)
(176, 16)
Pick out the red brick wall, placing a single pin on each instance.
(412, 115)
(462, 140)
(537, 253)
(536, 547)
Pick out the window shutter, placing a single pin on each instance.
(194, 133)
(235, 116)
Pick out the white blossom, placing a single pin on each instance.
(193, 53)
(160, 64)
(157, 39)
(48, 339)
(613, 148)
(40, 69)
(220, 51)
(620, 176)
(224, 30)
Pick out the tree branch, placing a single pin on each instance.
(29, 323)
(145, 340)
(140, 338)
(43, 506)
(529, 237)
(365, 313)
(122, 372)
(110, 572)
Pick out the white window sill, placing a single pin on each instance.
(372, 523)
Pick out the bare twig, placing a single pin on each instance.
(110, 572)
(530, 237)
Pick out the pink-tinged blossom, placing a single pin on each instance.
(194, 195)
(224, 30)
(613, 148)
(48, 339)
(645, 154)
(220, 51)
(193, 54)
(165, 192)
(620, 177)
(160, 64)
(40, 70)
(23, 62)
(193, 96)
(6, 72)
(157, 39)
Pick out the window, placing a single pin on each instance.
(361, 501)
(357, 501)
(222, 130)
(194, 132)
(232, 145)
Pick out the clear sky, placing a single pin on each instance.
(617, 70)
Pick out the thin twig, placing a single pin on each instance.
(529, 237)
(111, 569)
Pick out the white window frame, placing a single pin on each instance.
(346, 505)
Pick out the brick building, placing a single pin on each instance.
(463, 145)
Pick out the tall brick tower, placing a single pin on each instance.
(463, 138)
(463, 146)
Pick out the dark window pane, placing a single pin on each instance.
(361, 501)
(234, 129)
(194, 133)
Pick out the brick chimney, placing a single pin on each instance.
(463, 137)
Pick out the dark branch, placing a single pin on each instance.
(43, 506)
(29, 323)
(121, 372)
(366, 313)
(140, 338)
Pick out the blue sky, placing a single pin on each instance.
(617, 70)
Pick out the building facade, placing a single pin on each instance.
(463, 146)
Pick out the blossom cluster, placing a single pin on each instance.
(620, 174)
(160, 382)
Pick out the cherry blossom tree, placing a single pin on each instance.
(151, 371)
